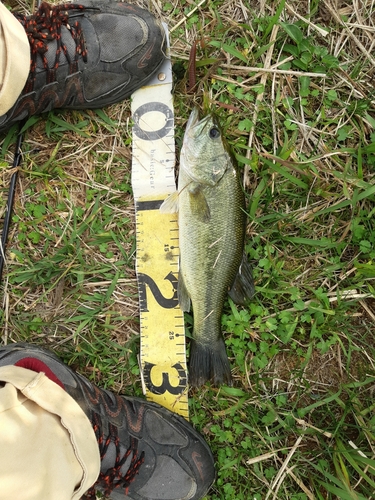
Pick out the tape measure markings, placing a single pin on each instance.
(162, 330)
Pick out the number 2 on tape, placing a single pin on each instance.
(167, 303)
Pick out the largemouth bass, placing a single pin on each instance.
(212, 218)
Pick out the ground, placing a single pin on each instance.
(299, 420)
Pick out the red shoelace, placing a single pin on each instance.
(113, 478)
(45, 26)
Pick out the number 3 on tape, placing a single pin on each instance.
(163, 356)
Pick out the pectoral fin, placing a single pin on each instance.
(170, 204)
(182, 294)
(243, 287)
(198, 204)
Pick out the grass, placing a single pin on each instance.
(299, 421)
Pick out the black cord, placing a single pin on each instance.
(10, 201)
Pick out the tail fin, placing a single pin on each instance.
(209, 362)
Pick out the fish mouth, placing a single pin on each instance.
(193, 118)
(194, 121)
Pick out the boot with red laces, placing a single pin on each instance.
(147, 452)
(86, 55)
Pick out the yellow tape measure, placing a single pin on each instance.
(162, 356)
(162, 323)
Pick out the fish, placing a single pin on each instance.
(212, 221)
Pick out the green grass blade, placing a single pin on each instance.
(274, 19)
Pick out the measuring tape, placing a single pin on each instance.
(162, 354)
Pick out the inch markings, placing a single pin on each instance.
(162, 331)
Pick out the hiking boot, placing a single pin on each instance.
(86, 55)
(147, 452)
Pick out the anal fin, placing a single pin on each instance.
(243, 287)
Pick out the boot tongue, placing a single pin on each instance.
(36, 365)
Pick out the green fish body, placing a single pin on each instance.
(212, 222)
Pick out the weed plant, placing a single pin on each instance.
(292, 83)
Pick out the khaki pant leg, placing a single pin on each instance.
(14, 59)
(48, 449)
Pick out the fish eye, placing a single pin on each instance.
(214, 133)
